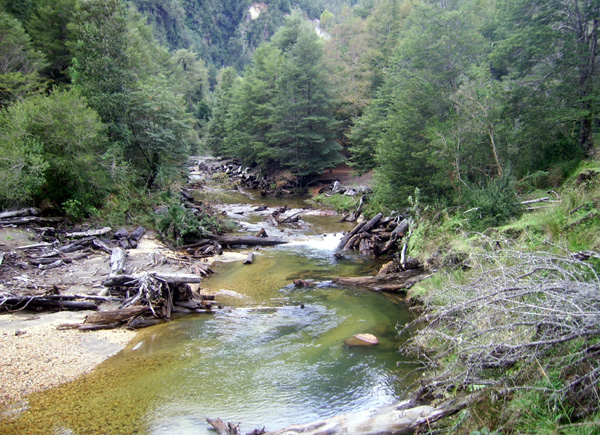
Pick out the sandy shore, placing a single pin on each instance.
(34, 355)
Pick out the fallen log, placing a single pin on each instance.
(248, 240)
(349, 235)
(89, 233)
(250, 258)
(402, 418)
(117, 261)
(12, 303)
(116, 316)
(371, 224)
(19, 213)
(35, 246)
(382, 282)
(134, 280)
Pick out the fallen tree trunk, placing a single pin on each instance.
(386, 281)
(402, 418)
(248, 240)
(250, 258)
(18, 213)
(119, 316)
(90, 233)
(13, 303)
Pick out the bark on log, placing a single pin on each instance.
(250, 258)
(90, 233)
(19, 213)
(133, 280)
(397, 281)
(371, 224)
(348, 236)
(97, 243)
(116, 316)
(117, 261)
(35, 246)
(28, 302)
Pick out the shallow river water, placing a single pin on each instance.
(273, 356)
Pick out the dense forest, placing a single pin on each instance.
(448, 100)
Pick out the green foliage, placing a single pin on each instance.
(493, 203)
(19, 62)
(278, 115)
(160, 129)
(340, 203)
(54, 143)
(101, 67)
(181, 225)
(48, 27)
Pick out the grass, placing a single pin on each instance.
(539, 405)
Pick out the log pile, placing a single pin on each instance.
(376, 237)
(243, 177)
(62, 247)
(24, 216)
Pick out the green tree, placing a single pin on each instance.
(51, 148)
(101, 63)
(160, 129)
(550, 47)
(437, 48)
(303, 126)
(48, 27)
(19, 62)
(215, 132)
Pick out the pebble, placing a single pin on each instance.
(43, 357)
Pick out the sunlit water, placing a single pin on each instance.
(273, 356)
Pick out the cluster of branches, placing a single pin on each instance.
(520, 308)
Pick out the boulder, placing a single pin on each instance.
(362, 340)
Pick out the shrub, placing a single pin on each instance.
(492, 204)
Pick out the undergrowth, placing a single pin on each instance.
(476, 329)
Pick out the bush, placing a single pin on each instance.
(181, 225)
(492, 204)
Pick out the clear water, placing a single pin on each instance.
(273, 356)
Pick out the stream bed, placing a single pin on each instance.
(274, 355)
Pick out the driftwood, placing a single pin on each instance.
(250, 258)
(402, 418)
(118, 317)
(248, 240)
(13, 303)
(223, 428)
(90, 233)
(384, 282)
(19, 213)
(406, 417)
(133, 280)
(117, 261)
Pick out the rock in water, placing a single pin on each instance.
(362, 340)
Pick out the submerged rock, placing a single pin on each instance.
(362, 340)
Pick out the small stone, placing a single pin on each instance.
(362, 340)
(20, 332)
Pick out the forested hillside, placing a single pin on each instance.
(454, 100)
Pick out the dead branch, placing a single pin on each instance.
(519, 307)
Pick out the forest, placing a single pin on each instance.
(449, 99)
(453, 105)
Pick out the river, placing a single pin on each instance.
(274, 355)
